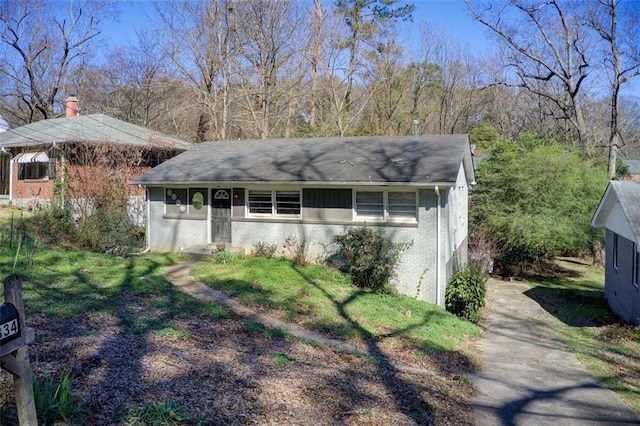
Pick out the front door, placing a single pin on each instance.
(221, 216)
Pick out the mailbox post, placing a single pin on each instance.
(14, 356)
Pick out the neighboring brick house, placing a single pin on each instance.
(265, 191)
(619, 214)
(34, 156)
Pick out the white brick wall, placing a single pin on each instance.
(417, 268)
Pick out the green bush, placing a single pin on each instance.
(109, 229)
(369, 257)
(535, 198)
(54, 222)
(465, 294)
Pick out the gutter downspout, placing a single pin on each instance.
(438, 271)
(10, 173)
(147, 237)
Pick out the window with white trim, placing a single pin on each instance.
(274, 203)
(402, 205)
(370, 205)
(288, 203)
(386, 205)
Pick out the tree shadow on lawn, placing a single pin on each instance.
(575, 308)
(406, 394)
(73, 310)
(574, 300)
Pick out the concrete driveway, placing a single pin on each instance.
(527, 377)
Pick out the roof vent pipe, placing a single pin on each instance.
(71, 107)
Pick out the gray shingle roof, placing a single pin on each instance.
(406, 159)
(95, 128)
(628, 195)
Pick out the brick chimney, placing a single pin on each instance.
(72, 107)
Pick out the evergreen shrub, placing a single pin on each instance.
(368, 256)
(465, 293)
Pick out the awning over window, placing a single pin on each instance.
(31, 157)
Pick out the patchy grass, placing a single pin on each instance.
(160, 413)
(323, 299)
(140, 351)
(574, 294)
(67, 284)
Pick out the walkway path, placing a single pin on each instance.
(528, 378)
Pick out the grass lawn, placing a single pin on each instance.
(135, 346)
(323, 299)
(609, 349)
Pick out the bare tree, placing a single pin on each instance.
(544, 44)
(43, 44)
(621, 57)
(198, 38)
(269, 37)
(317, 24)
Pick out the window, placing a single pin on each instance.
(260, 203)
(615, 252)
(29, 171)
(636, 266)
(198, 202)
(281, 203)
(288, 203)
(370, 205)
(386, 205)
(186, 202)
(35, 165)
(176, 199)
(402, 205)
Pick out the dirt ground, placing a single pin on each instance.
(228, 372)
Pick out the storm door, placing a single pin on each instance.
(221, 216)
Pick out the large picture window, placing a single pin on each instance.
(386, 205)
(268, 203)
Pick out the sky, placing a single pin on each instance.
(450, 15)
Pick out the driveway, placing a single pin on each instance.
(527, 377)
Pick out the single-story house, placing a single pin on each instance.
(34, 156)
(619, 214)
(243, 193)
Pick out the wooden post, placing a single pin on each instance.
(17, 361)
